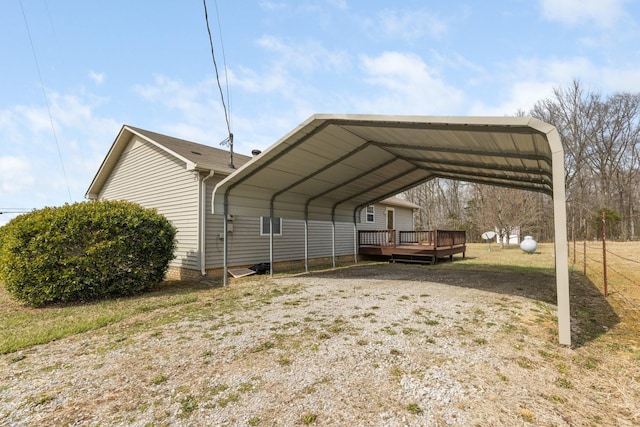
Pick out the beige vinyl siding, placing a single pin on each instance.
(380, 219)
(150, 177)
(320, 239)
(404, 219)
(247, 247)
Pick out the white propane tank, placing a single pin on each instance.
(528, 245)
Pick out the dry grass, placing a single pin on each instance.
(623, 281)
(23, 326)
(619, 312)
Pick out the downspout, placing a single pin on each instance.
(202, 226)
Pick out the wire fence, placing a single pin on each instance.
(615, 269)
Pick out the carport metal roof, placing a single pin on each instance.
(332, 166)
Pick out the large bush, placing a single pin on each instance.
(84, 251)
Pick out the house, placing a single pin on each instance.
(177, 178)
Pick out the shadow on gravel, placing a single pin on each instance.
(591, 313)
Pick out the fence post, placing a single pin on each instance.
(584, 261)
(604, 253)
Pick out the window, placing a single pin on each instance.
(371, 214)
(265, 226)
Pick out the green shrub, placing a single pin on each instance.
(84, 251)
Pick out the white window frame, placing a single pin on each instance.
(265, 226)
(372, 213)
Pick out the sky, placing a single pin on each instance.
(73, 72)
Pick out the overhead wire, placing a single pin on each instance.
(224, 62)
(46, 100)
(229, 140)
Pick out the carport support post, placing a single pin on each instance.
(561, 245)
(306, 242)
(225, 248)
(355, 238)
(355, 243)
(271, 239)
(333, 236)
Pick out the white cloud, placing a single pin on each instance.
(196, 110)
(519, 96)
(176, 95)
(15, 175)
(340, 4)
(411, 25)
(407, 86)
(39, 167)
(272, 5)
(526, 81)
(98, 78)
(307, 55)
(197, 115)
(273, 80)
(602, 13)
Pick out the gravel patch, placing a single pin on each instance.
(380, 345)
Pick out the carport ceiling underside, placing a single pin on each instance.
(332, 166)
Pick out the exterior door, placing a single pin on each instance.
(391, 224)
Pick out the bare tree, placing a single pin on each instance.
(442, 204)
(504, 210)
(601, 140)
(600, 137)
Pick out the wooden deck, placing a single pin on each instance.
(413, 246)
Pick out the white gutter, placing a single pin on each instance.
(202, 223)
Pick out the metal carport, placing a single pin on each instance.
(332, 166)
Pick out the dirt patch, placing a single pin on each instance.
(372, 345)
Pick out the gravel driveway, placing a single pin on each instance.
(373, 345)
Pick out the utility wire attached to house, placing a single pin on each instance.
(46, 100)
(229, 140)
(13, 211)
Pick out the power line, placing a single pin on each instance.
(13, 211)
(224, 60)
(229, 140)
(46, 101)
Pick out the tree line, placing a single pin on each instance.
(601, 140)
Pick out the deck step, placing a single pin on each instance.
(413, 258)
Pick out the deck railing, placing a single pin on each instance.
(435, 238)
(420, 237)
(450, 238)
(376, 237)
